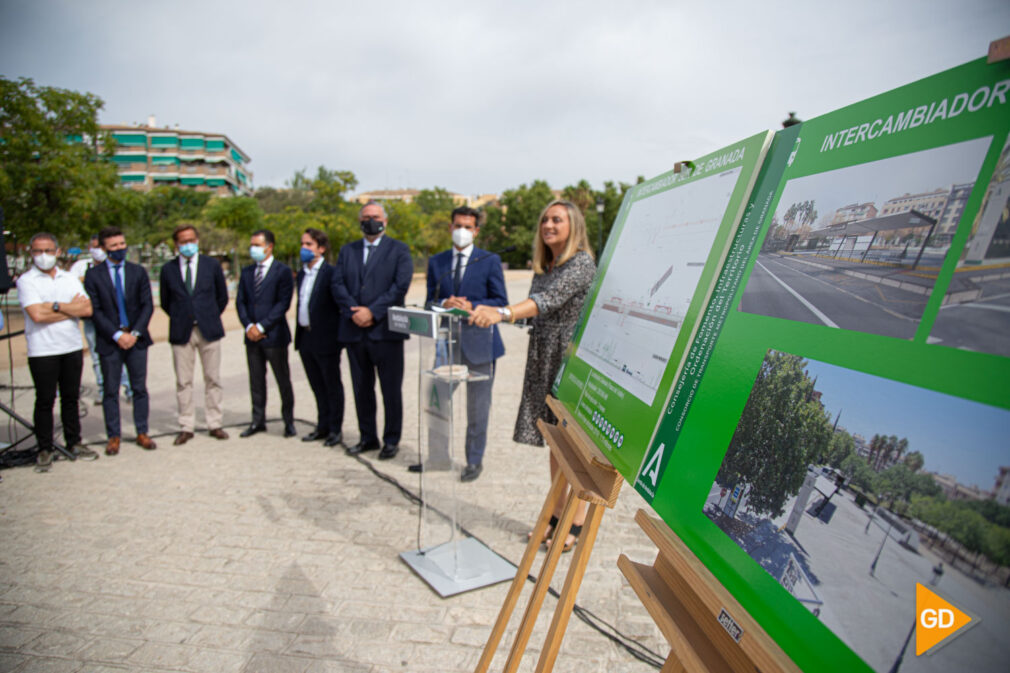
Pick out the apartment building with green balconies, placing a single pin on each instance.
(148, 156)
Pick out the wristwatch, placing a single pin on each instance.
(135, 333)
(56, 307)
(506, 313)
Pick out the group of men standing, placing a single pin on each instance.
(340, 307)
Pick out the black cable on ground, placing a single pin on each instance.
(629, 644)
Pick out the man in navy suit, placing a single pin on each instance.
(194, 294)
(316, 338)
(264, 296)
(121, 304)
(465, 277)
(372, 274)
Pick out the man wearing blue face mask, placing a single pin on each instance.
(120, 294)
(194, 295)
(316, 338)
(264, 296)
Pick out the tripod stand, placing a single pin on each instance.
(9, 411)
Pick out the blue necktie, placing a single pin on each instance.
(121, 297)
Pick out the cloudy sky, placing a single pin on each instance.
(483, 96)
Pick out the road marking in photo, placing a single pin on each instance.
(988, 307)
(813, 309)
(834, 286)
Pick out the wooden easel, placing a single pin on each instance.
(707, 629)
(593, 480)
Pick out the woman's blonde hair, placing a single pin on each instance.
(578, 239)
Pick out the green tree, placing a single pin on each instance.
(613, 196)
(859, 473)
(841, 447)
(240, 214)
(781, 431)
(406, 223)
(288, 228)
(998, 545)
(273, 200)
(327, 187)
(992, 511)
(586, 198)
(163, 208)
(52, 177)
(582, 195)
(915, 461)
(517, 221)
(434, 201)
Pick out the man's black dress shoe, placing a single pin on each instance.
(313, 436)
(416, 467)
(289, 430)
(471, 472)
(388, 451)
(252, 430)
(334, 439)
(361, 447)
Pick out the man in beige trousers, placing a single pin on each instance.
(194, 294)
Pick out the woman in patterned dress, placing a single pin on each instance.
(563, 271)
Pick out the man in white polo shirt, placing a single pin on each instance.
(53, 301)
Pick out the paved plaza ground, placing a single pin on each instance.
(271, 554)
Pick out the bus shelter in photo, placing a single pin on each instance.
(899, 240)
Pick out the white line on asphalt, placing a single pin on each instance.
(979, 303)
(988, 307)
(851, 294)
(813, 309)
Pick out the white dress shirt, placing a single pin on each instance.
(266, 269)
(305, 291)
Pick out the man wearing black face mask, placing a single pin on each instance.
(120, 294)
(373, 274)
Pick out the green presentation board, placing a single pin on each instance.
(839, 429)
(670, 238)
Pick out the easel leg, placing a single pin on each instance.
(672, 665)
(541, 587)
(573, 581)
(557, 488)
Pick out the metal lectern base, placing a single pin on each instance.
(457, 566)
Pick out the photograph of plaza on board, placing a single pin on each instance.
(860, 247)
(849, 488)
(976, 308)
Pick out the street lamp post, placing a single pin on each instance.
(599, 211)
(937, 574)
(873, 566)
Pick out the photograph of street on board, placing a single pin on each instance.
(848, 489)
(860, 247)
(652, 276)
(976, 309)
